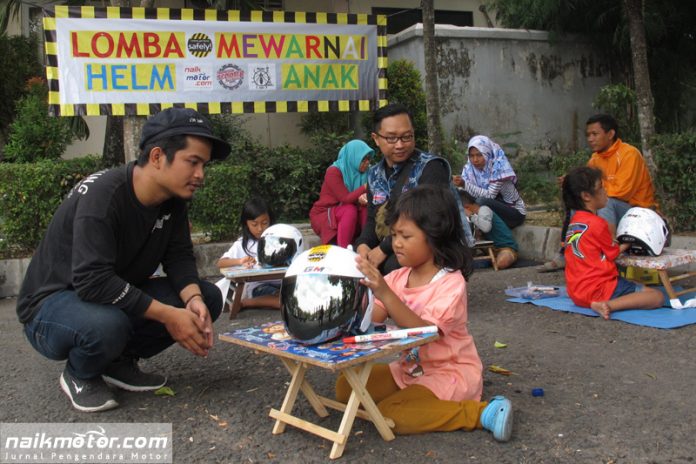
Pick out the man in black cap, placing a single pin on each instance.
(87, 295)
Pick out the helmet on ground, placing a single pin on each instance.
(278, 245)
(644, 229)
(322, 298)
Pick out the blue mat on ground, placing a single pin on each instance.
(661, 318)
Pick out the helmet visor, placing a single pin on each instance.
(276, 251)
(320, 307)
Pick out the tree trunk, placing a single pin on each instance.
(639, 58)
(432, 101)
(113, 155)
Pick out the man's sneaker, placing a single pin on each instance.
(124, 373)
(497, 418)
(87, 395)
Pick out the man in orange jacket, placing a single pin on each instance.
(626, 176)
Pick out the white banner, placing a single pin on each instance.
(107, 61)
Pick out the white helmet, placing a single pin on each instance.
(278, 245)
(322, 298)
(644, 229)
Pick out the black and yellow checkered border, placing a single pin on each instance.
(144, 109)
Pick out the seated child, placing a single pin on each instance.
(492, 228)
(255, 218)
(591, 275)
(436, 387)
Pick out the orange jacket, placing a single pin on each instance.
(626, 176)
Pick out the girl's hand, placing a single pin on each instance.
(373, 278)
(362, 199)
(248, 261)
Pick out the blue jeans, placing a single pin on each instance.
(614, 211)
(90, 336)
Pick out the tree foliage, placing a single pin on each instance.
(18, 62)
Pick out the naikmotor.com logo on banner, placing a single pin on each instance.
(86, 442)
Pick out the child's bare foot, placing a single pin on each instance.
(601, 307)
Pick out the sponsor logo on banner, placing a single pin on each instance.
(199, 45)
(230, 76)
(198, 78)
(262, 76)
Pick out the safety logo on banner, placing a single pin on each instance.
(200, 45)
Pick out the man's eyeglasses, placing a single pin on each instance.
(392, 139)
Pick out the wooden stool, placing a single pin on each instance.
(483, 250)
(355, 364)
(669, 259)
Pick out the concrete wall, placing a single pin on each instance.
(515, 82)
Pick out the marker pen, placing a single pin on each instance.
(394, 334)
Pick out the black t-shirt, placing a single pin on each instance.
(102, 243)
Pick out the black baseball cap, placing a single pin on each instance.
(183, 121)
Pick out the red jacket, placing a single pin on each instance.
(333, 193)
(590, 252)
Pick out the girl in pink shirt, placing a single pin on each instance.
(436, 387)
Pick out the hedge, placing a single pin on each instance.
(289, 178)
(29, 195)
(216, 206)
(675, 156)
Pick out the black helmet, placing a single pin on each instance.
(278, 245)
(322, 298)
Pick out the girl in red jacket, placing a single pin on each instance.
(591, 275)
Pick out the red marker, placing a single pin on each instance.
(394, 334)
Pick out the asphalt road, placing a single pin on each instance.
(614, 393)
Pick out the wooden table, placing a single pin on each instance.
(669, 259)
(355, 361)
(240, 275)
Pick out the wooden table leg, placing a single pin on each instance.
(664, 277)
(298, 372)
(307, 391)
(492, 256)
(237, 300)
(357, 381)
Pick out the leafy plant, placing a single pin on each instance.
(406, 87)
(619, 101)
(215, 207)
(34, 135)
(18, 62)
(675, 155)
(30, 194)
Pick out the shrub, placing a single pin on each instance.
(216, 206)
(619, 100)
(675, 156)
(34, 135)
(19, 62)
(406, 87)
(30, 194)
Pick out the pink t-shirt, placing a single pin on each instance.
(449, 367)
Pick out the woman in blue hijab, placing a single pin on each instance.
(341, 210)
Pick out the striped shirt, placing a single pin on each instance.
(506, 189)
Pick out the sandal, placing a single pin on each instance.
(556, 264)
